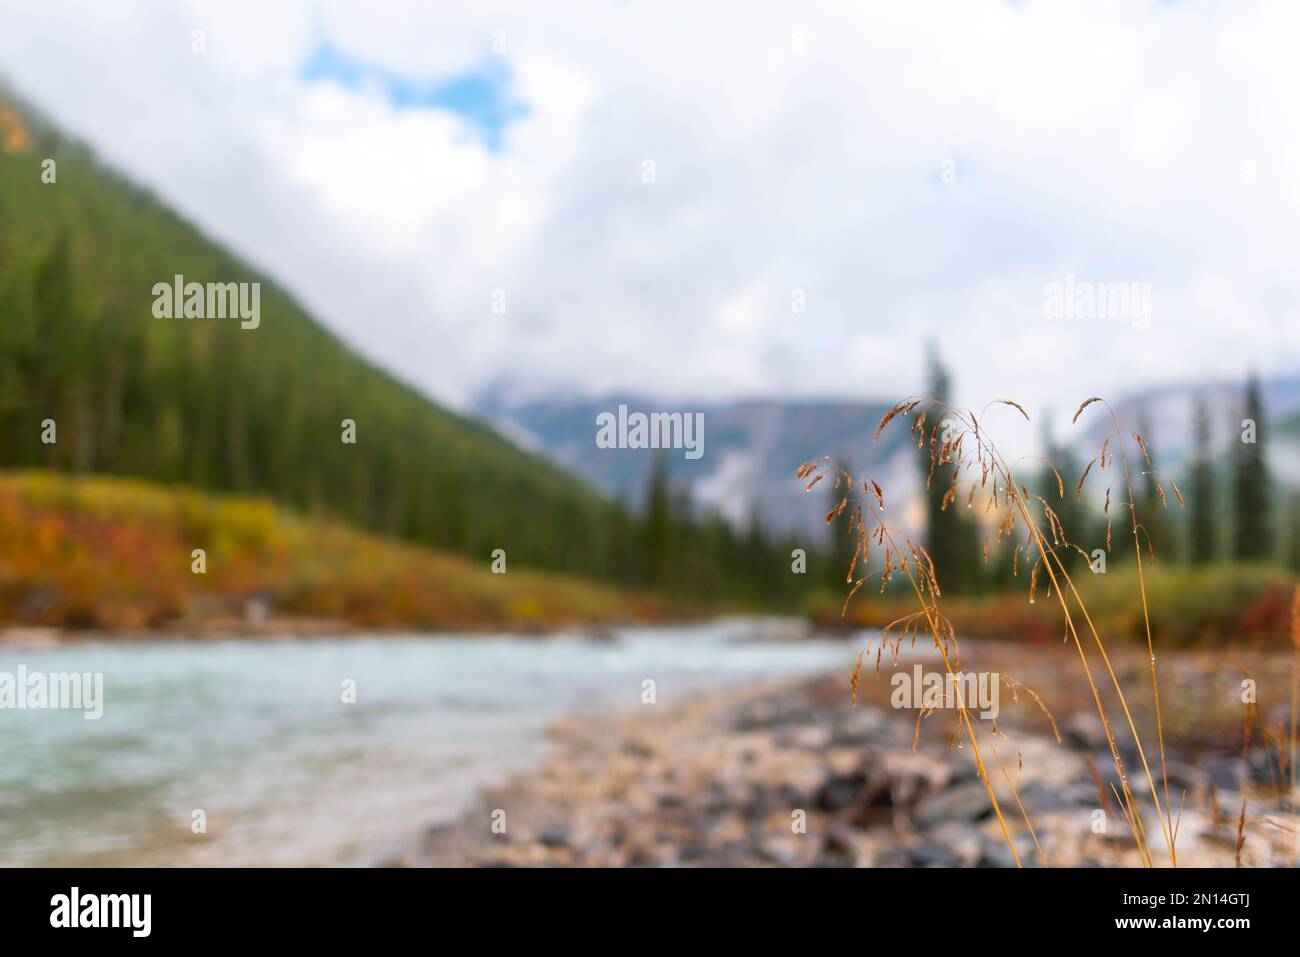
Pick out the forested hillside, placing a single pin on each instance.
(209, 404)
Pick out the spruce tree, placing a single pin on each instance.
(840, 544)
(1151, 506)
(1293, 540)
(658, 521)
(1070, 512)
(1202, 529)
(1252, 538)
(951, 541)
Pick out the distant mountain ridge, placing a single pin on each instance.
(752, 449)
(753, 446)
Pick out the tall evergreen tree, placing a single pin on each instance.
(56, 348)
(951, 540)
(658, 522)
(1072, 513)
(1293, 540)
(1202, 529)
(840, 543)
(1152, 508)
(1252, 538)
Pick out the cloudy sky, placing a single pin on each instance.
(906, 171)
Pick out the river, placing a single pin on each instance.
(256, 735)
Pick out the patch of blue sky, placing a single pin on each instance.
(481, 97)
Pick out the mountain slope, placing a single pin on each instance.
(206, 402)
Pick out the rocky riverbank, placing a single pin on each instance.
(793, 774)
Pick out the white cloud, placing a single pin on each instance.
(794, 148)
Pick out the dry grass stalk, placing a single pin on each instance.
(981, 456)
(1245, 778)
(1295, 695)
(921, 577)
